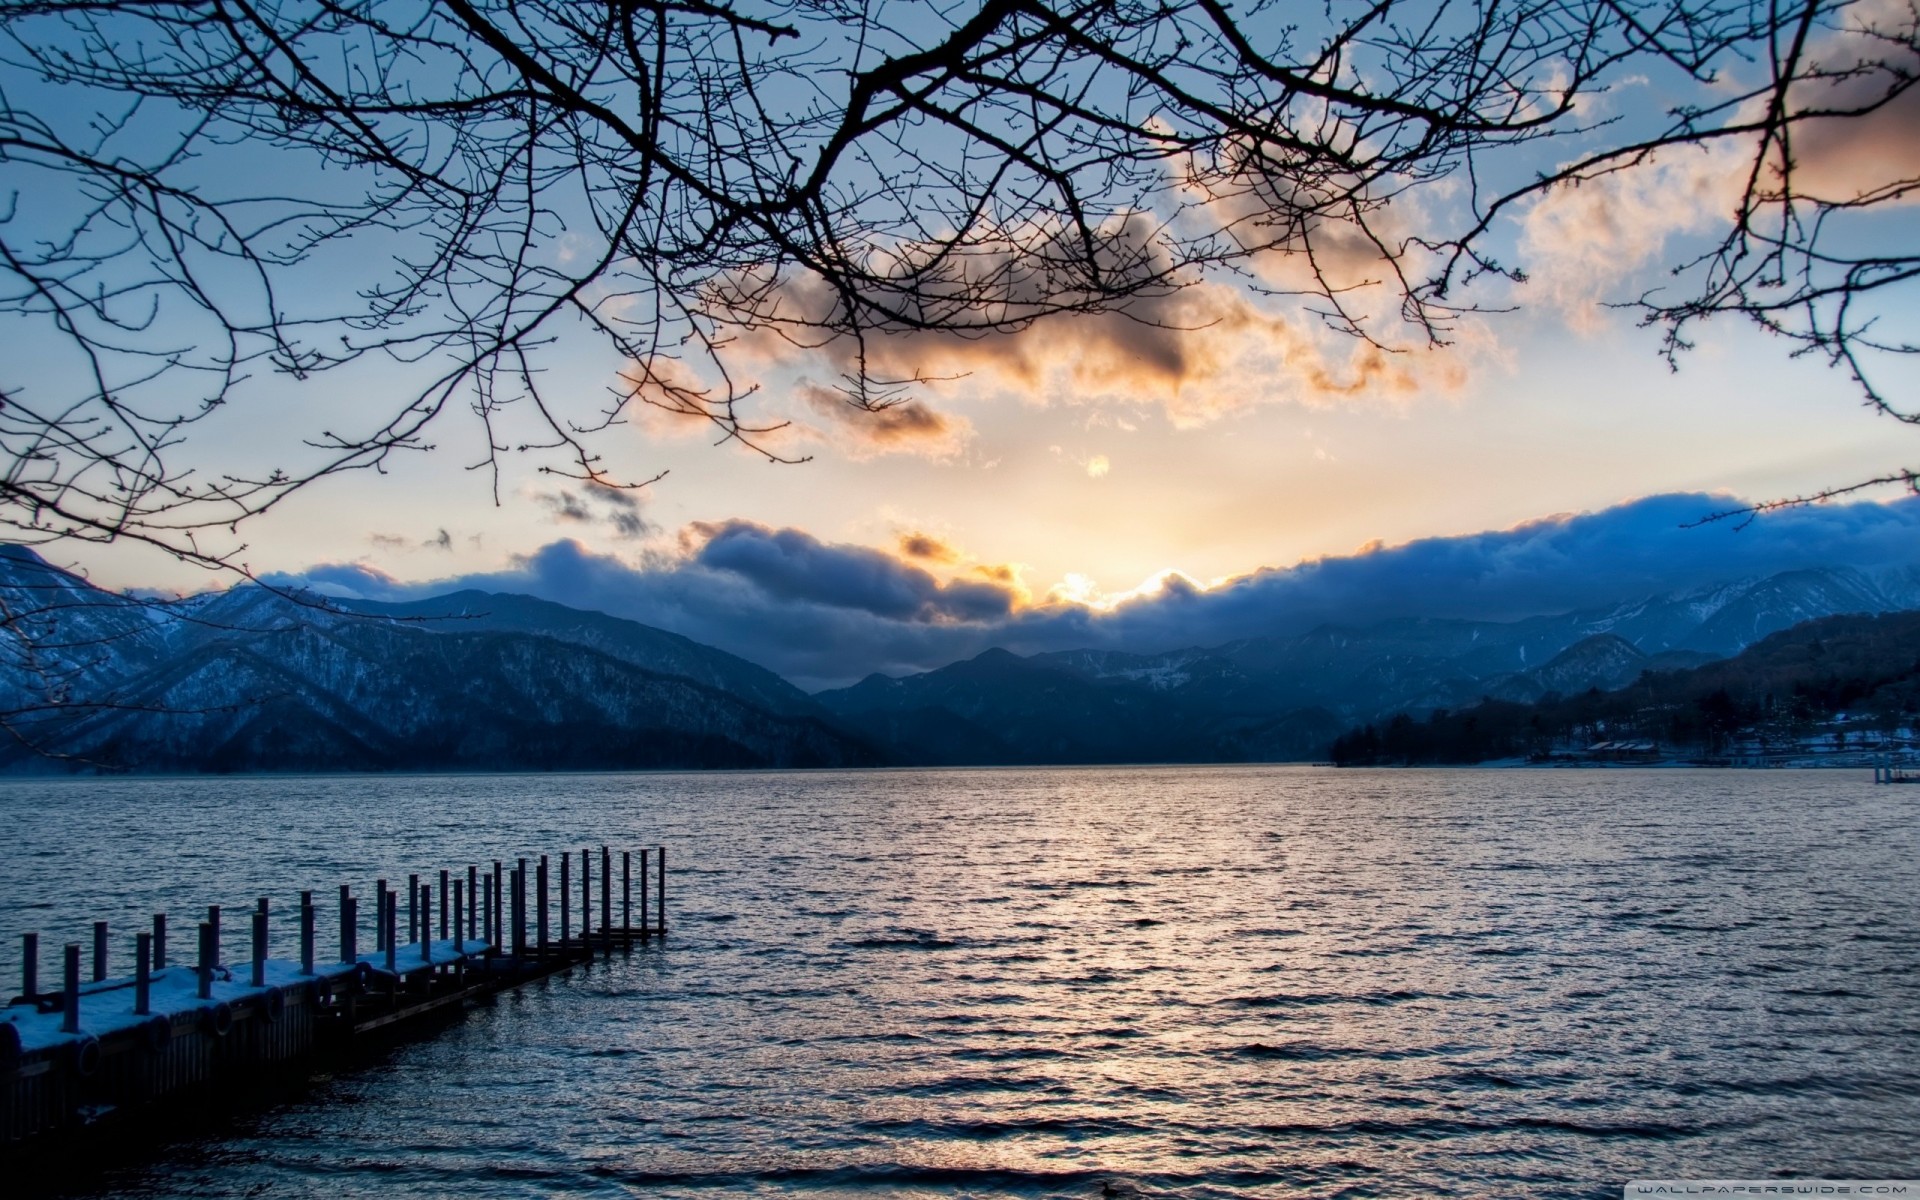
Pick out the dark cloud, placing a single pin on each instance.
(926, 546)
(441, 540)
(596, 504)
(824, 614)
(789, 565)
(911, 426)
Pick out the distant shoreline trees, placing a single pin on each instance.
(1776, 693)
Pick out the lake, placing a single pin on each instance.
(1189, 982)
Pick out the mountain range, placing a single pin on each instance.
(1265, 699)
(254, 679)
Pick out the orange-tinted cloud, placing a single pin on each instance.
(1199, 350)
(911, 426)
(926, 546)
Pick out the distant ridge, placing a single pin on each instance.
(1278, 699)
(1805, 693)
(249, 680)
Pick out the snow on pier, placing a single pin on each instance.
(106, 1047)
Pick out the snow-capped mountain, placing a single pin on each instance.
(250, 679)
(1275, 697)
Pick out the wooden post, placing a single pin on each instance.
(626, 894)
(540, 902)
(662, 905)
(348, 919)
(392, 924)
(443, 906)
(473, 901)
(379, 915)
(70, 991)
(586, 900)
(498, 895)
(520, 909)
(486, 924)
(30, 965)
(209, 955)
(260, 944)
(159, 940)
(646, 929)
(213, 919)
(414, 911)
(426, 922)
(512, 936)
(459, 925)
(99, 951)
(566, 897)
(142, 974)
(606, 898)
(306, 933)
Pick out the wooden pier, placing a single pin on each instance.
(103, 1048)
(1888, 771)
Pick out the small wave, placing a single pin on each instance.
(1315, 999)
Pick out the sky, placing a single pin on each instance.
(1053, 481)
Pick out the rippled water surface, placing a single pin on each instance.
(1266, 982)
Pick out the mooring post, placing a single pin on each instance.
(520, 909)
(646, 930)
(540, 901)
(348, 920)
(626, 895)
(586, 901)
(208, 956)
(459, 926)
(606, 898)
(499, 897)
(213, 919)
(99, 951)
(393, 931)
(473, 901)
(379, 915)
(29, 965)
(510, 937)
(443, 905)
(566, 897)
(142, 974)
(426, 923)
(260, 944)
(486, 915)
(662, 905)
(306, 933)
(70, 991)
(159, 940)
(414, 910)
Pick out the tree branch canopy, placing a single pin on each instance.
(202, 196)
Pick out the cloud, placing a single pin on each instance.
(594, 504)
(911, 426)
(979, 320)
(1198, 353)
(789, 565)
(441, 540)
(1583, 241)
(926, 546)
(825, 614)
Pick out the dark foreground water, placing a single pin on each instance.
(1193, 983)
